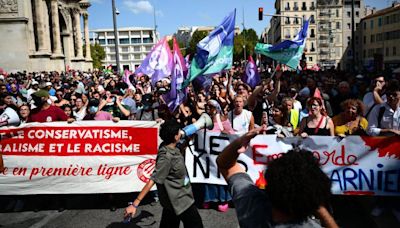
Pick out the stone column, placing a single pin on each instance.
(56, 30)
(78, 34)
(87, 39)
(40, 28)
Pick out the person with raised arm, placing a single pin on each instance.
(296, 188)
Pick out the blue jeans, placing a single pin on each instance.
(216, 193)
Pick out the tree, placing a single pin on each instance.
(196, 38)
(180, 44)
(247, 38)
(98, 54)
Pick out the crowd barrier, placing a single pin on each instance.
(106, 157)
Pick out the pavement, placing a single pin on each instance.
(92, 211)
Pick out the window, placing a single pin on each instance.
(111, 41)
(312, 33)
(295, 7)
(372, 40)
(310, 59)
(125, 57)
(312, 47)
(379, 22)
(337, 25)
(124, 41)
(348, 25)
(312, 20)
(287, 6)
(102, 41)
(287, 20)
(303, 6)
(387, 51)
(348, 14)
(287, 33)
(337, 13)
(136, 49)
(136, 56)
(125, 49)
(364, 40)
(394, 51)
(372, 23)
(357, 14)
(365, 25)
(147, 40)
(136, 40)
(312, 6)
(112, 49)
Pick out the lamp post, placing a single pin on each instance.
(114, 10)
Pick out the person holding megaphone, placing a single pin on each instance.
(172, 180)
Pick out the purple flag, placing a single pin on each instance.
(126, 79)
(251, 77)
(175, 97)
(158, 63)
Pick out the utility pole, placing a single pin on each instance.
(244, 38)
(116, 35)
(155, 25)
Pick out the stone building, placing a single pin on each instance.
(44, 35)
(379, 46)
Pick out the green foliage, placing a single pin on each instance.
(247, 38)
(197, 36)
(98, 54)
(180, 44)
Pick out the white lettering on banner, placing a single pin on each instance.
(355, 165)
(87, 157)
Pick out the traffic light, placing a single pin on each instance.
(260, 13)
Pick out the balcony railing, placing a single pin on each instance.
(296, 8)
(304, 8)
(287, 8)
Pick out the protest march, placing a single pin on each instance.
(204, 120)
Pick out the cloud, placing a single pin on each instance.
(137, 7)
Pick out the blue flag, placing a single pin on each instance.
(215, 51)
(288, 52)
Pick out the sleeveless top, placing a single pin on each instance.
(240, 123)
(321, 131)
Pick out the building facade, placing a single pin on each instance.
(184, 34)
(134, 44)
(44, 35)
(329, 33)
(379, 46)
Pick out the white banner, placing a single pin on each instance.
(356, 165)
(83, 157)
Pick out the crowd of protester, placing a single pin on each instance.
(306, 103)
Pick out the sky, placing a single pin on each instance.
(172, 14)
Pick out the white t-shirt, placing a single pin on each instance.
(240, 122)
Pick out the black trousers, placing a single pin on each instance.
(190, 218)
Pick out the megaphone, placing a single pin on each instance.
(9, 118)
(204, 121)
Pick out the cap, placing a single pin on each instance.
(41, 93)
(49, 84)
(1, 77)
(35, 83)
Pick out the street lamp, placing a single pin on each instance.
(115, 13)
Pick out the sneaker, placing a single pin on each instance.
(396, 213)
(223, 207)
(377, 211)
(206, 205)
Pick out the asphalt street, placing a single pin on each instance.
(92, 211)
